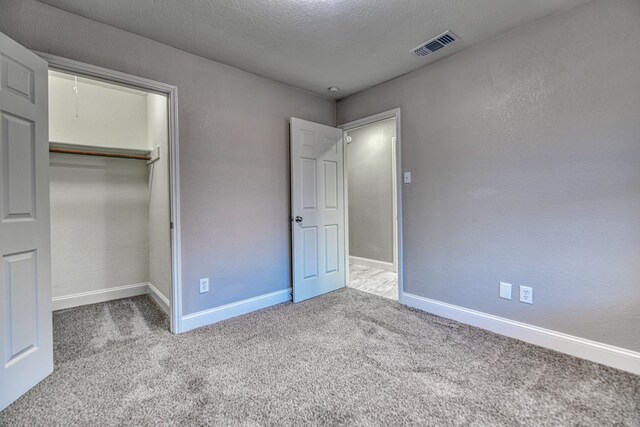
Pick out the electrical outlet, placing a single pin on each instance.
(505, 290)
(526, 294)
(204, 285)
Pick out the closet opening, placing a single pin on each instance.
(371, 194)
(110, 194)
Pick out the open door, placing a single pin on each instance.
(26, 343)
(317, 208)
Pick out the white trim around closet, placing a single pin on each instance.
(100, 295)
(162, 301)
(171, 91)
(109, 294)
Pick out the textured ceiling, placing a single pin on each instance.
(314, 44)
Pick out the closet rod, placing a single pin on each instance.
(99, 153)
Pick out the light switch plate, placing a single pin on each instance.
(505, 290)
(407, 177)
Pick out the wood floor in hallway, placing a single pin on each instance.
(378, 282)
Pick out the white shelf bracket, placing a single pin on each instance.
(154, 154)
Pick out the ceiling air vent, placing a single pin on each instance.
(435, 44)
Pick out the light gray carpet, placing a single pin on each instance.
(347, 358)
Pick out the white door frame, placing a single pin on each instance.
(99, 73)
(397, 208)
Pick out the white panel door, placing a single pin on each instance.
(317, 207)
(26, 344)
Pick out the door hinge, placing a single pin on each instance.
(171, 225)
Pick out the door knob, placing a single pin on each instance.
(298, 219)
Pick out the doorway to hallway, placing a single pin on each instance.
(370, 176)
(322, 212)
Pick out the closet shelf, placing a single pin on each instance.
(88, 150)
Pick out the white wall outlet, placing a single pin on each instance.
(526, 294)
(407, 177)
(204, 285)
(505, 290)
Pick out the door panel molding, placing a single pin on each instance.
(18, 167)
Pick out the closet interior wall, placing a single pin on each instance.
(159, 203)
(109, 216)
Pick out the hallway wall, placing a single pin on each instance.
(370, 178)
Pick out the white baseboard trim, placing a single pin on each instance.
(594, 351)
(227, 311)
(101, 295)
(380, 265)
(160, 299)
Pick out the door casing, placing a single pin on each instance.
(105, 74)
(397, 158)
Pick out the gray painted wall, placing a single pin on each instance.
(234, 147)
(370, 176)
(525, 155)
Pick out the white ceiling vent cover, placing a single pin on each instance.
(435, 44)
